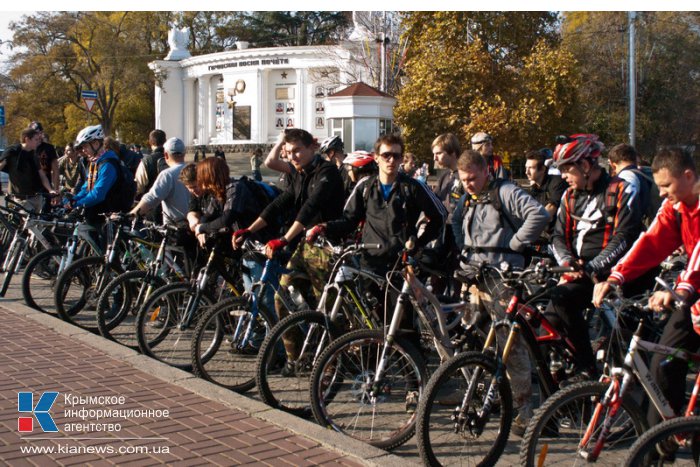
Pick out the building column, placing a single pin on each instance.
(300, 103)
(259, 133)
(203, 110)
(188, 123)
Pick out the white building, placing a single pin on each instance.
(245, 97)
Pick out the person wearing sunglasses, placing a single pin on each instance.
(390, 203)
(483, 144)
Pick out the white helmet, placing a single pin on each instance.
(89, 133)
(332, 142)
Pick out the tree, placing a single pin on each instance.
(290, 28)
(497, 72)
(668, 75)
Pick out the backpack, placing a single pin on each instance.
(121, 196)
(650, 197)
(263, 192)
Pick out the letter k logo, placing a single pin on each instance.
(25, 403)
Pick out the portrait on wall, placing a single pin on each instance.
(280, 123)
(290, 123)
(320, 92)
(319, 107)
(279, 108)
(290, 107)
(330, 91)
(319, 122)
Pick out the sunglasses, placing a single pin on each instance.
(391, 155)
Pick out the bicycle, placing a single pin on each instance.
(122, 297)
(166, 322)
(601, 414)
(470, 391)
(367, 383)
(345, 305)
(80, 284)
(228, 337)
(43, 269)
(673, 442)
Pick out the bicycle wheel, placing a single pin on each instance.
(39, 279)
(287, 357)
(120, 302)
(555, 435)
(226, 343)
(345, 397)
(160, 332)
(78, 288)
(452, 430)
(673, 442)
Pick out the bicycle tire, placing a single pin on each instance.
(440, 441)
(345, 364)
(39, 276)
(120, 326)
(290, 392)
(159, 336)
(78, 288)
(645, 451)
(216, 355)
(571, 405)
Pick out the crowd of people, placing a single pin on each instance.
(613, 226)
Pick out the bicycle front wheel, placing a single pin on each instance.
(78, 288)
(454, 425)
(165, 324)
(346, 396)
(226, 344)
(286, 358)
(673, 442)
(39, 279)
(565, 429)
(120, 302)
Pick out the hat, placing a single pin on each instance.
(36, 126)
(481, 138)
(174, 146)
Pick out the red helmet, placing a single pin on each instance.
(576, 147)
(359, 159)
(695, 316)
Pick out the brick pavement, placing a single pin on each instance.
(205, 425)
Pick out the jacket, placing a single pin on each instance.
(595, 229)
(674, 225)
(390, 222)
(313, 195)
(95, 193)
(487, 233)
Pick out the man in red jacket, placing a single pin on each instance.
(676, 224)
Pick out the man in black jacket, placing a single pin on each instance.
(152, 164)
(390, 203)
(314, 195)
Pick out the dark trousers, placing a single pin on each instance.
(565, 312)
(670, 375)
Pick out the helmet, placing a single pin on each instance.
(359, 159)
(89, 133)
(573, 148)
(332, 142)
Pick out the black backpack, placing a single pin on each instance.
(650, 198)
(263, 192)
(121, 196)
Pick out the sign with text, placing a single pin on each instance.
(89, 97)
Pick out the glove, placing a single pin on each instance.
(317, 230)
(277, 244)
(240, 235)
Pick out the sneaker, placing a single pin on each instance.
(519, 426)
(411, 401)
(288, 370)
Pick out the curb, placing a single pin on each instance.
(343, 444)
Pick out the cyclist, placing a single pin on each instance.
(494, 221)
(47, 160)
(25, 177)
(623, 163)
(314, 194)
(168, 190)
(151, 164)
(545, 188)
(483, 144)
(597, 222)
(72, 169)
(332, 149)
(390, 205)
(358, 165)
(677, 223)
